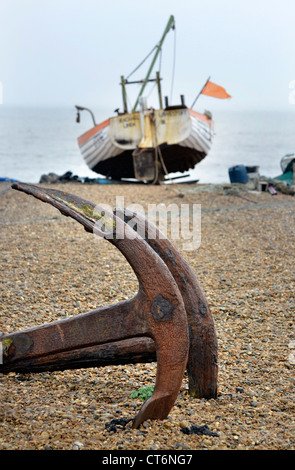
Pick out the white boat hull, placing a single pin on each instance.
(183, 136)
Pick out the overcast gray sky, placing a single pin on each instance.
(66, 52)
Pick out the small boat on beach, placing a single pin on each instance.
(149, 144)
(288, 169)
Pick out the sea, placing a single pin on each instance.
(38, 141)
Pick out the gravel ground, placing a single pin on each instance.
(52, 269)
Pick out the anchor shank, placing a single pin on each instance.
(67, 338)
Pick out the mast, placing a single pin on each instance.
(200, 93)
(124, 94)
(170, 24)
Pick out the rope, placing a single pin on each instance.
(155, 180)
(163, 164)
(158, 154)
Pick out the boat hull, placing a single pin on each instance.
(125, 146)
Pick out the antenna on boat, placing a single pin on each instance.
(200, 93)
(80, 108)
(170, 24)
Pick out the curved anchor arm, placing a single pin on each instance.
(202, 364)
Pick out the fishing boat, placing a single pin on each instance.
(148, 144)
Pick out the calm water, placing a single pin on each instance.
(36, 141)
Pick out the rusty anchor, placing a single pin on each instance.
(167, 321)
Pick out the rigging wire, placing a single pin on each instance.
(151, 90)
(139, 65)
(160, 63)
(173, 66)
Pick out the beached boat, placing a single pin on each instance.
(148, 144)
(287, 162)
(288, 169)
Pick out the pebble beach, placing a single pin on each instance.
(51, 269)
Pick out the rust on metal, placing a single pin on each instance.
(167, 321)
(202, 364)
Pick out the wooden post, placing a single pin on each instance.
(159, 89)
(124, 94)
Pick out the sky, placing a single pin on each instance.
(67, 52)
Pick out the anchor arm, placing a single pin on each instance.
(202, 364)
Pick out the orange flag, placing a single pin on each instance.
(211, 89)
